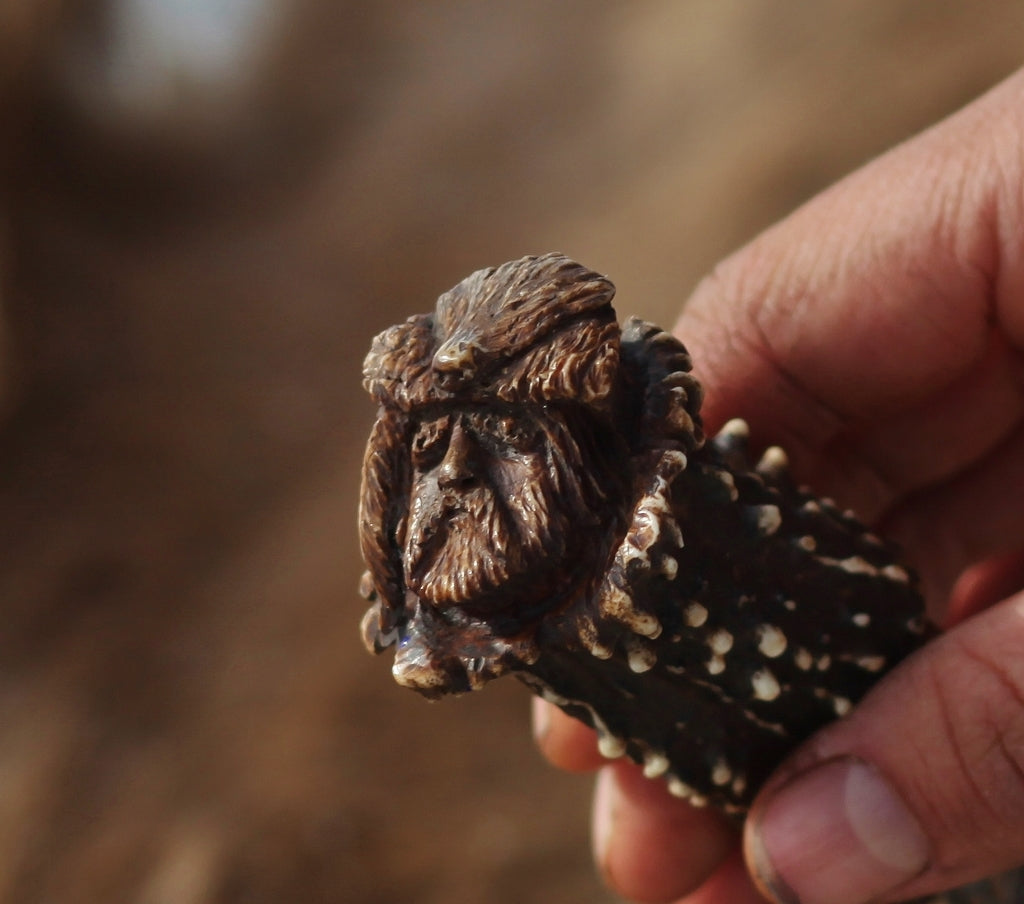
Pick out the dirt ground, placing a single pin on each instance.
(189, 284)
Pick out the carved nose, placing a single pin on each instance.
(459, 467)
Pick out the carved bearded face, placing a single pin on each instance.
(487, 507)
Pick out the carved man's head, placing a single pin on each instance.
(511, 423)
(492, 406)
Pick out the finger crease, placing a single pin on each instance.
(828, 420)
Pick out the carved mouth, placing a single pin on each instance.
(459, 551)
(429, 534)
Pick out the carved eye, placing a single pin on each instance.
(516, 433)
(430, 442)
(503, 435)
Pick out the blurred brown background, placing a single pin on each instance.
(206, 210)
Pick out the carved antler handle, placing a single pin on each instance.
(539, 498)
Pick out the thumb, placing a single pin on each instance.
(919, 789)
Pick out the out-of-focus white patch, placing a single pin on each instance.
(154, 56)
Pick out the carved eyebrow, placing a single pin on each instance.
(504, 422)
(435, 424)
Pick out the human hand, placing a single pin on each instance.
(877, 335)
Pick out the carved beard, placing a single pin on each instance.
(463, 546)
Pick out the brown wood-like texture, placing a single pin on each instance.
(187, 294)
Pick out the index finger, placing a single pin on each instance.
(876, 334)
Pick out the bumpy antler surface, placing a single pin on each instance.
(539, 499)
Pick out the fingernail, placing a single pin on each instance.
(835, 835)
(541, 719)
(605, 793)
